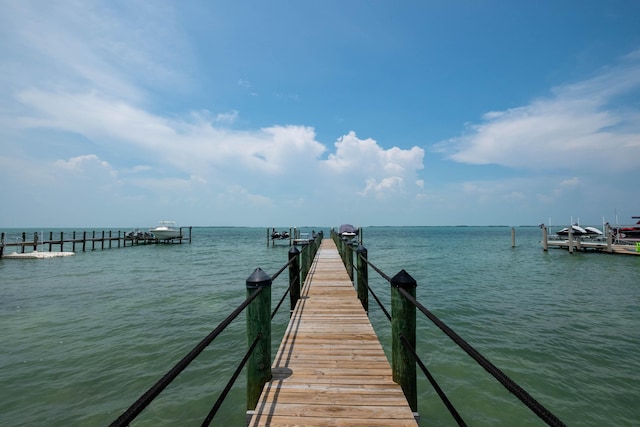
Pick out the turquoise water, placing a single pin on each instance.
(84, 336)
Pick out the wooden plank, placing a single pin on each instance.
(331, 369)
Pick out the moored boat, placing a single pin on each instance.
(630, 231)
(576, 230)
(348, 231)
(166, 230)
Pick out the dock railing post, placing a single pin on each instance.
(258, 324)
(570, 239)
(609, 234)
(403, 324)
(545, 238)
(363, 277)
(294, 277)
(1, 245)
(348, 257)
(304, 264)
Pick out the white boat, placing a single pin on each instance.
(348, 231)
(166, 230)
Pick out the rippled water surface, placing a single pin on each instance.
(84, 336)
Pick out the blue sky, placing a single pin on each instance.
(289, 113)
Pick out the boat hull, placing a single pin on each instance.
(166, 234)
(167, 230)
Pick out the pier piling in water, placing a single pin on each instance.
(258, 327)
(403, 324)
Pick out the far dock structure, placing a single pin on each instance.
(24, 243)
(291, 237)
(607, 243)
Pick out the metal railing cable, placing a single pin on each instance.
(528, 400)
(288, 288)
(384, 310)
(452, 410)
(273, 314)
(139, 405)
(502, 378)
(423, 367)
(282, 269)
(234, 377)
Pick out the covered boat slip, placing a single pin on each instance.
(330, 368)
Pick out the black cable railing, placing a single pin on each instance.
(227, 389)
(296, 272)
(537, 408)
(452, 410)
(500, 376)
(139, 405)
(275, 311)
(384, 310)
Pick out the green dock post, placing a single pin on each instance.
(348, 258)
(304, 264)
(294, 277)
(363, 277)
(258, 324)
(403, 323)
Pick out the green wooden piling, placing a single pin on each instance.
(348, 258)
(304, 263)
(258, 324)
(363, 277)
(403, 323)
(294, 277)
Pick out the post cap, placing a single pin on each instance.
(361, 249)
(403, 280)
(294, 250)
(258, 279)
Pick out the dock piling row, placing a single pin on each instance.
(105, 239)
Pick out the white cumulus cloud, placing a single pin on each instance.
(579, 125)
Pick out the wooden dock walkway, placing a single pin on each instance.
(330, 369)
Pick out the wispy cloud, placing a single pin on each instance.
(578, 125)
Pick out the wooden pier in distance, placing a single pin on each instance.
(330, 368)
(576, 243)
(84, 240)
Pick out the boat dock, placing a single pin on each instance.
(607, 243)
(330, 368)
(85, 240)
